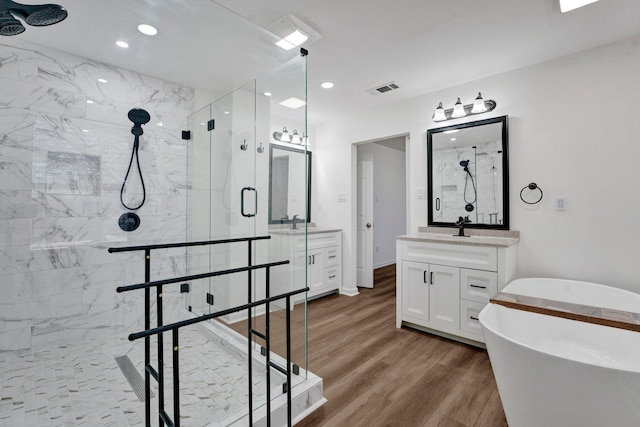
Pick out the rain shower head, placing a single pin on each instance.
(139, 117)
(464, 163)
(35, 15)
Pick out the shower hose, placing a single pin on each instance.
(134, 153)
(475, 192)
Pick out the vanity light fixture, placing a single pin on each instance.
(292, 138)
(479, 106)
(123, 44)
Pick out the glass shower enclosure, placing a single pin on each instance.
(228, 198)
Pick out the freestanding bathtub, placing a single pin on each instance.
(556, 372)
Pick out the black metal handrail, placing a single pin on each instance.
(177, 325)
(158, 374)
(186, 244)
(197, 276)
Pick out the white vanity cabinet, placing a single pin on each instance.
(322, 262)
(319, 261)
(443, 282)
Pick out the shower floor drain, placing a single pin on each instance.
(133, 376)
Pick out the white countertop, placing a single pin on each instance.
(475, 237)
(300, 231)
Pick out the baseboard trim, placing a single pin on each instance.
(384, 264)
(350, 292)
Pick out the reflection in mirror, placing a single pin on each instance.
(288, 194)
(468, 174)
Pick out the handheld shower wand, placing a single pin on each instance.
(139, 117)
(469, 204)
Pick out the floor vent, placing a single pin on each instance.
(133, 376)
(387, 87)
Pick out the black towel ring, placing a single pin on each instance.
(532, 186)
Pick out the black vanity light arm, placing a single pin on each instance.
(532, 186)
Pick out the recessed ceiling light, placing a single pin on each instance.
(202, 123)
(102, 80)
(293, 103)
(327, 85)
(567, 5)
(90, 101)
(453, 139)
(147, 29)
(85, 130)
(159, 124)
(267, 94)
(122, 44)
(226, 112)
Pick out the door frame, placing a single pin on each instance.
(354, 200)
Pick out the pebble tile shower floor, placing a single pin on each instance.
(81, 384)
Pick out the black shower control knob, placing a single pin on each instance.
(129, 221)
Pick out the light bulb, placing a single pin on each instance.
(439, 114)
(458, 110)
(285, 136)
(295, 138)
(478, 105)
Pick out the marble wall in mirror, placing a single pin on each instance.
(468, 174)
(289, 195)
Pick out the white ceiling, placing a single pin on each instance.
(422, 45)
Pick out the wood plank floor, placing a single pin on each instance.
(377, 375)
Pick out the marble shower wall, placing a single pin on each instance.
(450, 178)
(64, 150)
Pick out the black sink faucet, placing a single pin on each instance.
(460, 223)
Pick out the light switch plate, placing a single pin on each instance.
(342, 197)
(561, 203)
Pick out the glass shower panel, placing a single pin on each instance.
(198, 208)
(281, 102)
(229, 169)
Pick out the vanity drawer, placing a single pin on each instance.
(468, 256)
(332, 256)
(478, 285)
(469, 311)
(333, 277)
(317, 240)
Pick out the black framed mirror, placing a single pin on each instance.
(468, 174)
(289, 194)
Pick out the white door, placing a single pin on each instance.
(444, 297)
(364, 263)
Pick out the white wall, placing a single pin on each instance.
(574, 129)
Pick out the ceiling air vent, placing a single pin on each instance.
(387, 87)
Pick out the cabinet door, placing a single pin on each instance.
(316, 264)
(415, 290)
(444, 297)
